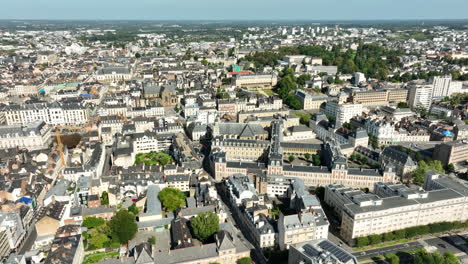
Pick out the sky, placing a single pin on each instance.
(234, 9)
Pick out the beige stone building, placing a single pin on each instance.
(396, 207)
(379, 97)
(256, 82)
(451, 152)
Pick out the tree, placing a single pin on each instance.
(98, 239)
(388, 236)
(375, 239)
(307, 156)
(362, 241)
(402, 105)
(133, 209)
(152, 240)
(303, 78)
(137, 55)
(104, 198)
(123, 226)
(172, 198)
(204, 62)
(450, 258)
(450, 168)
(92, 222)
(400, 234)
(392, 258)
(291, 158)
(245, 260)
(204, 225)
(316, 160)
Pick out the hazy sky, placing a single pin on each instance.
(234, 9)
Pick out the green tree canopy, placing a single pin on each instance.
(123, 226)
(133, 209)
(245, 260)
(204, 225)
(172, 198)
(92, 222)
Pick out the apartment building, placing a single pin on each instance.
(451, 152)
(252, 209)
(444, 86)
(51, 113)
(420, 96)
(387, 132)
(343, 112)
(11, 232)
(255, 82)
(396, 207)
(301, 227)
(379, 97)
(34, 136)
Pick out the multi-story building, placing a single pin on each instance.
(252, 210)
(343, 112)
(268, 158)
(451, 152)
(398, 207)
(310, 102)
(320, 251)
(444, 86)
(379, 97)
(114, 74)
(301, 227)
(404, 164)
(53, 113)
(255, 82)
(387, 133)
(11, 232)
(420, 96)
(34, 136)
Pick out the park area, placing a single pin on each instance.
(153, 158)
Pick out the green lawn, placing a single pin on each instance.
(153, 158)
(99, 256)
(269, 92)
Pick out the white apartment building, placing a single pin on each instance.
(34, 136)
(359, 77)
(386, 132)
(148, 141)
(51, 113)
(444, 86)
(420, 96)
(343, 112)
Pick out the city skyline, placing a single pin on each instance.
(212, 10)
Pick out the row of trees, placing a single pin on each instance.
(409, 232)
(422, 256)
